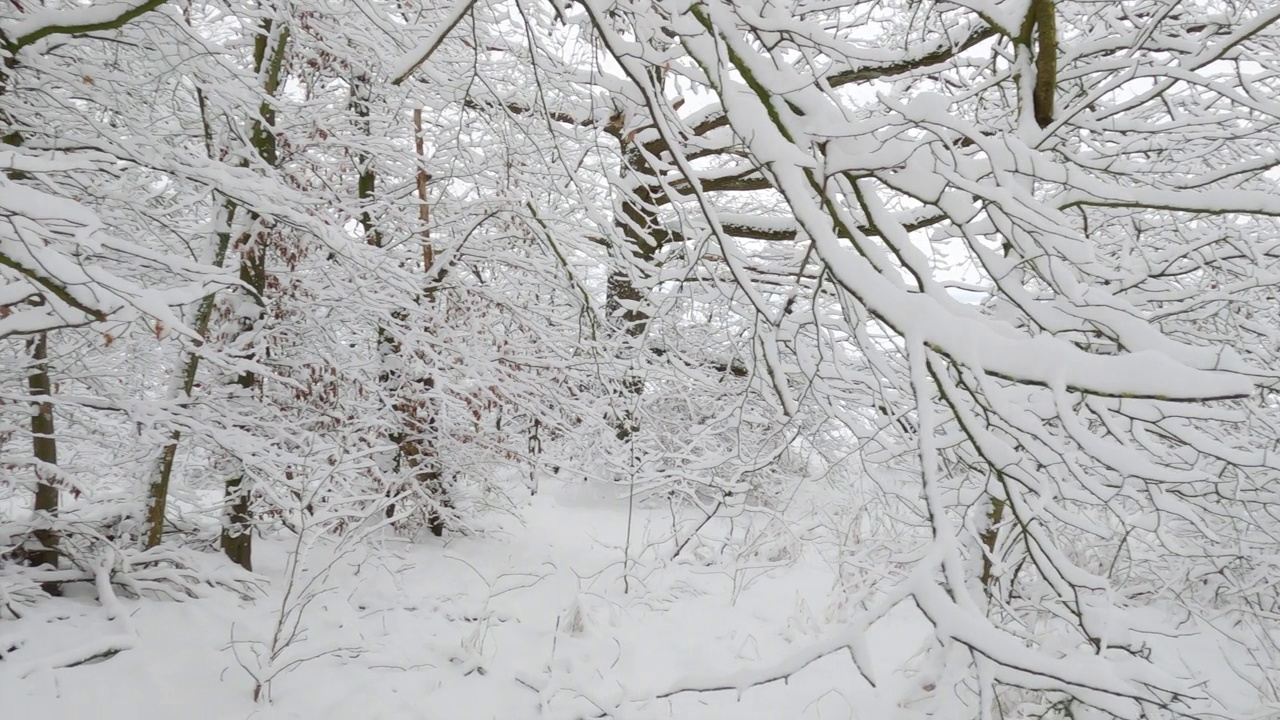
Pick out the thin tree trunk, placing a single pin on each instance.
(253, 246)
(420, 446)
(416, 439)
(44, 447)
(1043, 12)
(44, 444)
(1039, 28)
(390, 377)
(989, 536)
(158, 490)
(237, 531)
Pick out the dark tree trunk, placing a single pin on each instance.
(44, 447)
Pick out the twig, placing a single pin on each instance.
(692, 535)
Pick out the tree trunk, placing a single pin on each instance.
(158, 492)
(389, 348)
(253, 246)
(1037, 41)
(638, 221)
(989, 536)
(421, 441)
(1043, 14)
(44, 446)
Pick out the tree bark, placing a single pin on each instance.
(44, 446)
(1046, 60)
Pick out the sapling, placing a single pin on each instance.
(323, 519)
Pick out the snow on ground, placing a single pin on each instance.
(527, 620)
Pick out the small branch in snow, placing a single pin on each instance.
(94, 651)
(692, 535)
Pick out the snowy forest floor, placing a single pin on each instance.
(528, 619)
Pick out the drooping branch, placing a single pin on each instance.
(52, 286)
(410, 62)
(943, 52)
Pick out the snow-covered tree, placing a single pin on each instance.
(88, 226)
(1033, 236)
(265, 261)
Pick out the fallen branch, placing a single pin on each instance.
(91, 652)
